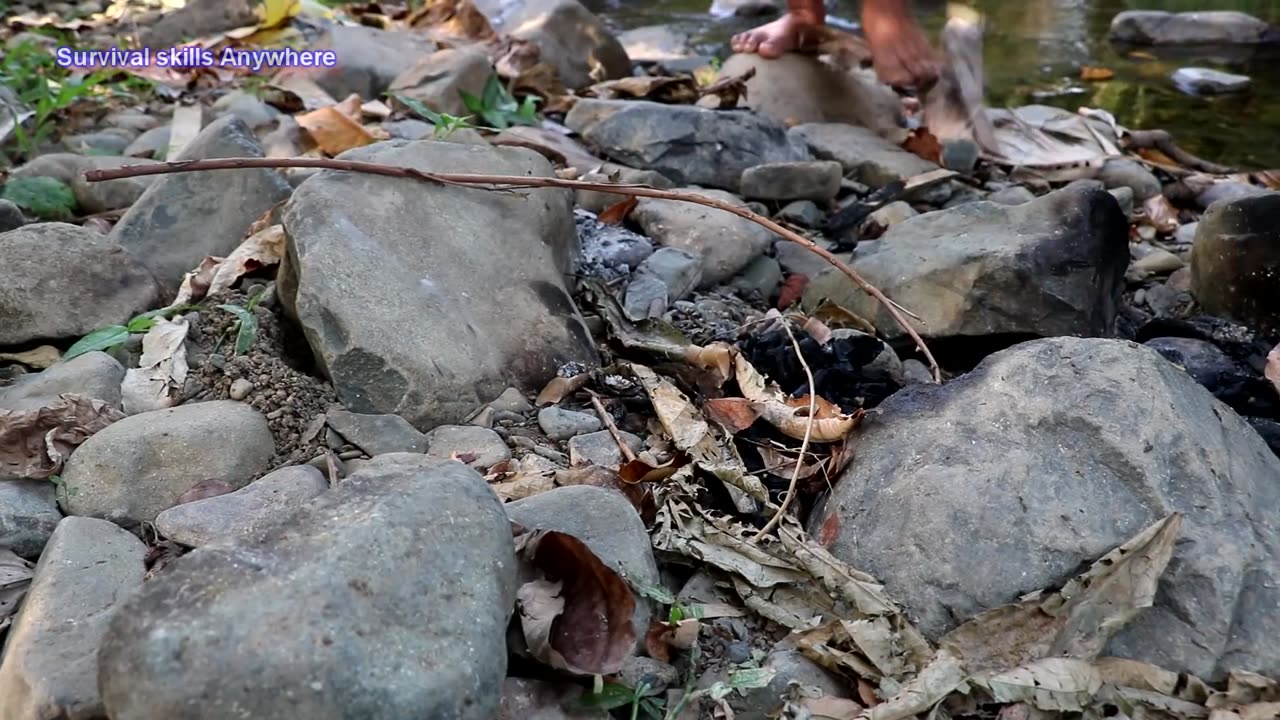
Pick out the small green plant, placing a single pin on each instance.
(246, 326)
(61, 491)
(615, 695)
(39, 82)
(444, 123)
(499, 108)
(45, 197)
(111, 337)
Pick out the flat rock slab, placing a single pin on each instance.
(1214, 27)
(478, 447)
(94, 374)
(183, 217)
(690, 145)
(1045, 458)
(61, 281)
(386, 597)
(1053, 266)
(427, 301)
(50, 665)
(241, 513)
(377, 434)
(137, 467)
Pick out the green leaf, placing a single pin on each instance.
(45, 197)
(140, 324)
(748, 678)
(248, 322)
(611, 695)
(420, 109)
(473, 104)
(100, 339)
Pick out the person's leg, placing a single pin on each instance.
(800, 28)
(899, 49)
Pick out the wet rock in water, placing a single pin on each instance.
(607, 523)
(1228, 380)
(241, 513)
(690, 145)
(477, 447)
(1123, 172)
(369, 59)
(525, 699)
(599, 448)
(1235, 261)
(1215, 27)
(655, 43)
(11, 217)
(183, 217)
(796, 88)
(62, 281)
(803, 213)
(1013, 195)
(1207, 81)
(561, 424)
(377, 434)
(597, 201)
(810, 180)
(28, 515)
(701, 231)
(50, 667)
(1054, 266)
(399, 325)
(94, 374)
(869, 157)
(571, 40)
(325, 603)
(679, 270)
(136, 467)
(201, 18)
(248, 107)
(982, 457)
(609, 252)
(437, 80)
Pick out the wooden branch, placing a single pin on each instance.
(507, 182)
(1161, 140)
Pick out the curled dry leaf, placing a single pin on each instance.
(195, 284)
(617, 213)
(669, 90)
(728, 91)
(1090, 73)
(1056, 684)
(1161, 214)
(579, 619)
(162, 370)
(829, 425)
(733, 414)
(35, 443)
(817, 330)
(333, 131)
(262, 249)
(522, 479)
(922, 143)
(452, 20)
(663, 636)
(827, 707)
(837, 317)
(792, 290)
(560, 388)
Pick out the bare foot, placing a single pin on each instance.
(793, 31)
(900, 51)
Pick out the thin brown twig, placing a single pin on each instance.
(804, 444)
(612, 427)
(494, 182)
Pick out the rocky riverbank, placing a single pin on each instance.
(314, 442)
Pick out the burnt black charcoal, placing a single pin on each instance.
(843, 369)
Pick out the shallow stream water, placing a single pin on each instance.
(1034, 51)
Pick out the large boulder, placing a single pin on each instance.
(386, 597)
(1235, 260)
(438, 79)
(427, 301)
(94, 375)
(1048, 455)
(61, 281)
(690, 145)
(369, 59)
(570, 39)
(183, 217)
(1053, 266)
(1214, 27)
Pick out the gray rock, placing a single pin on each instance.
(1208, 365)
(134, 120)
(960, 155)
(94, 374)
(1227, 191)
(795, 259)
(1207, 81)
(872, 159)
(702, 231)
(512, 400)
(112, 141)
(561, 424)
(369, 59)
(1013, 195)
(983, 456)
(789, 666)
(653, 674)
(597, 201)
(599, 448)
(28, 515)
(377, 434)
(50, 666)
(1050, 267)
(609, 252)
(1124, 196)
(409, 129)
(1235, 261)
(484, 444)
(250, 108)
(63, 281)
(679, 270)
(400, 325)
(810, 180)
(571, 40)
(762, 276)
(1217, 27)
(895, 213)
(11, 217)
(645, 298)
(1158, 262)
(197, 19)
(1123, 172)
(97, 197)
(183, 217)
(607, 523)
(655, 43)
(690, 145)
(136, 467)
(438, 80)
(1186, 234)
(915, 372)
(744, 8)
(386, 597)
(803, 213)
(244, 512)
(525, 699)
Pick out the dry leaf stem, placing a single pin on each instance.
(508, 182)
(612, 427)
(804, 444)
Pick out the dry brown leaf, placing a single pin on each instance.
(580, 618)
(15, 579)
(1091, 73)
(162, 370)
(1055, 684)
(262, 249)
(817, 330)
(351, 107)
(1270, 179)
(645, 469)
(716, 358)
(1161, 214)
(560, 388)
(523, 479)
(452, 20)
(669, 90)
(837, 317)
(782, 465)
(332, 131)
(38, 358)
(195, 284)
(35, 443)
(617, 213)
(296, 90)
(827, 707)
(733, 414)
(677, 413)
(1272, 370)
(922, 143)
(791, 421)
(728, 91)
